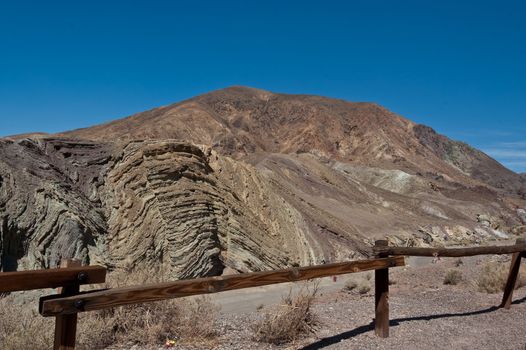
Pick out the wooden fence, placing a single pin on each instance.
(65, 305)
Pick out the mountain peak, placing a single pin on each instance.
(243, 120)
(243, 88)
(240, 121)
(236, 92)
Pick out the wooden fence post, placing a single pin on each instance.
(66, 325)
(512, 277)
(381, 297)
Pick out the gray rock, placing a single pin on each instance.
(484, 220)
(522, 215)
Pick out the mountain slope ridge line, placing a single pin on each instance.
(246, 180)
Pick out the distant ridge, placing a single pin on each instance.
(240, 121)
(27, 135)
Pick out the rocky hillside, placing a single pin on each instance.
(241, 122)
(244, 179)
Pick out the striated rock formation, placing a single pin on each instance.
(169, 206)
(249, 180)
(147, 202)
(47, 205)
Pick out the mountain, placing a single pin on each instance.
(241, 122)
(246, 179)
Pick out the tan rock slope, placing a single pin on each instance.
(247, 180)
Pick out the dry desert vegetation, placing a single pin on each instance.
(447, 304)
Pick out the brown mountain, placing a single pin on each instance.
(241, 121)
(247, 179)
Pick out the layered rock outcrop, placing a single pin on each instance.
(47, 205)
(138, 203)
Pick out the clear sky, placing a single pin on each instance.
(458, 66)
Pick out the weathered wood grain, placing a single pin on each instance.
(51, 278)
(66, 325)
(381, 298)
(50, 306)
(450, 252)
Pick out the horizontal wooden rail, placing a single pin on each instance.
(96, 300)
(51, 278)
(450, 252)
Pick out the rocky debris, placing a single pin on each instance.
(434, 187)
(484, 220)
(488, 221)
(519, 230)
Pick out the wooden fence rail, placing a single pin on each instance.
(66, 325)
(51, 278)
(70, 301)
(450, 252)
(96, 300)
(69, 277)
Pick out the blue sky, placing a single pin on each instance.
(458, 66)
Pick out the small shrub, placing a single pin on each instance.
(286, 322)
(493, 277)
(364, 287)
(458, 262)
(147, 323)
(350, 284)
(453, 277)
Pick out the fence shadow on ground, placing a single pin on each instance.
(334, 339)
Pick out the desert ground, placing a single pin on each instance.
(425, 313)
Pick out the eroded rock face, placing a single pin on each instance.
(194, 212)
(46, 205)
(168, 205)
